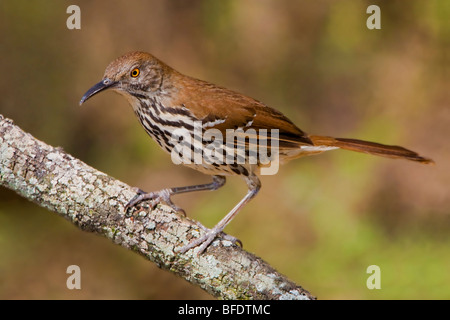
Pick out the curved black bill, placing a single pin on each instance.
(102, 85)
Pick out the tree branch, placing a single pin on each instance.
(95, 202)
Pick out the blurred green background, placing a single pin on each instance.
(322, 220)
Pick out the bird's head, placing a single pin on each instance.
(135, 74)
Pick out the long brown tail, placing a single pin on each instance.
(369, 147)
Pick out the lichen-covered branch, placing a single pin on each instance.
(95, 202)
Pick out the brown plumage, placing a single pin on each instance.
(166, 101)
(374, 148)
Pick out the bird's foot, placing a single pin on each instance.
(204, 241)
(155, 197)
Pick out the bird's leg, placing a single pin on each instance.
(253, 187)
(165, 194)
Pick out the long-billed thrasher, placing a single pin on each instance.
(166, 101)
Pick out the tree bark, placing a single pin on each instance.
(95, 202)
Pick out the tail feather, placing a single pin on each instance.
(370, 148)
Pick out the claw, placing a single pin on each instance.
(155, 197)
(222, 235)
(204, 241)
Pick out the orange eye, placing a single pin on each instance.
(135, 72)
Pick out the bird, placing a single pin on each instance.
(184, 114)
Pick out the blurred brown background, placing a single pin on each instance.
(322, 220)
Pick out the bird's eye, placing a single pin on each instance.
(135, 72)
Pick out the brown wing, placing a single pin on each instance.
(223, 109)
